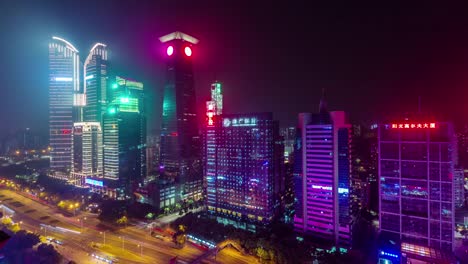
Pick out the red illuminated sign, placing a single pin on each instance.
(210, 112)
(413, 125)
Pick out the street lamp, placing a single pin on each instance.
(3, 208)
(141, 249)
(123, 242)
(82, 220)
(103, 233)
(45, 230)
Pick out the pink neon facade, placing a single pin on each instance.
(323, 179)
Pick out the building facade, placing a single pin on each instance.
(416, 179)
(459, 187)
(180, 154)
(217, 97)
(322, 176)
(64, 95)
(289, 135)
(152, 154)
(241, 168)
(95, 83)
(125, 138)
(87, 152)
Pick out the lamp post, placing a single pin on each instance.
(103, 233)
(141, 249)
(123, 242)
(82, 220)
(3, 209)
(74, 208)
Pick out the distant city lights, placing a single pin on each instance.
(329, 188)
(94, 182)
(63, 79)
(383, 253)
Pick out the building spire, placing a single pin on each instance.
(323, 103)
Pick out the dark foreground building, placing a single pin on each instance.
(180, 154)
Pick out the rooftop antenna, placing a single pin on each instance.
(323, 103)
(419, 104)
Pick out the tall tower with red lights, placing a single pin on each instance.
(180, 156)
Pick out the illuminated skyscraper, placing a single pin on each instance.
(459, 189)
(64, 94)
(322, 176)
(95, 83)
(217, 97)
(87, 151)
(289, 135)
(152, 154)
(180, 160)
(416, 185)
(125, 138)
(243, 167)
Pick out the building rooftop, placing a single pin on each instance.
(178, 35)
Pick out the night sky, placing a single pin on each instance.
(373, 61)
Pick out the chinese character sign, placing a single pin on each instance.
(413, 125)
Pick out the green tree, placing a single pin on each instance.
(122, 220)
(15, 228)
(47, 254)
(182, 228)
(7, 221)
(262, 253)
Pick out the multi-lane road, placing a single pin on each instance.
(129, 245)
(82, 239)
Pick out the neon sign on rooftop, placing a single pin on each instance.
(413, 125)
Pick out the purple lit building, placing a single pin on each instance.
(322, 176)
(416, 187)
(244, 163)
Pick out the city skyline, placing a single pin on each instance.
(318, 53)
(205, 132)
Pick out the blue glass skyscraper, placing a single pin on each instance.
(64, 95)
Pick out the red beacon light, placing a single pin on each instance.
(170, 51)
(188, 51)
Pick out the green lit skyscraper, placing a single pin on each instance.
(217, 97)
(95, 83)
(124, 126)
